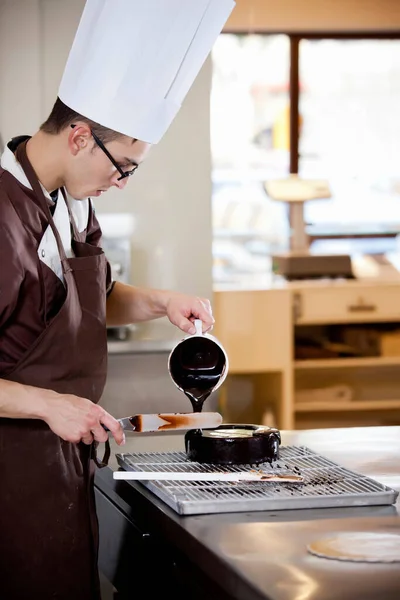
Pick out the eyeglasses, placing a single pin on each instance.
(100, 144)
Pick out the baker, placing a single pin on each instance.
(128, 71)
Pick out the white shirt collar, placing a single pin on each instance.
(9, 163)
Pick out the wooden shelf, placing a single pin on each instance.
(262, 348)
(336, 363)
(352, 405)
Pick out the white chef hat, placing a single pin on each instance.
(132, 62)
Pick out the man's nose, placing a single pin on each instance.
(119, 183)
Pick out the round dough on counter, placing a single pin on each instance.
(358, 547)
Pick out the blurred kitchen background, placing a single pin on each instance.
(196, 216)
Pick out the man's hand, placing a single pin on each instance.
(182, 310)
(77, 419)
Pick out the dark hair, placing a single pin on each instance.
(62, 116)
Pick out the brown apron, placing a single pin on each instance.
(48, 524)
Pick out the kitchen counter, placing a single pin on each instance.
(148, 337)
(138, 346)
(253, 555)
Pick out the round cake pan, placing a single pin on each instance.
(233, 444)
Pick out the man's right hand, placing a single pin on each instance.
(74, 419)
(77, 419)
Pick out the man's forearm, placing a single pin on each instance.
(128, 304)
(18, 401)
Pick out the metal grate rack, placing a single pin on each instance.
(326, 484)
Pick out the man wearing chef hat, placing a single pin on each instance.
(131, 65)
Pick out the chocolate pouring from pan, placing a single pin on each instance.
(198, 365)
(141, 423)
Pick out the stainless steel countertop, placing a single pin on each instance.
(266, 551)
(156, 336)
(133, 346)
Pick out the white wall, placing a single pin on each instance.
(170, 197)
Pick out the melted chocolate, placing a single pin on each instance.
(196, 366)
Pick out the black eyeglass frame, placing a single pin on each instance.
(102, 147)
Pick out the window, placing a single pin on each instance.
(349, 98)
(349, 105)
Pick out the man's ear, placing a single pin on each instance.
(79, 137)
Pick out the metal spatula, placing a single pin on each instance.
(169, 421)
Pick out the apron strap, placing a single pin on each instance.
(22, 157)
(107, 451)
(71, 216)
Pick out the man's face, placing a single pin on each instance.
(90, 172)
